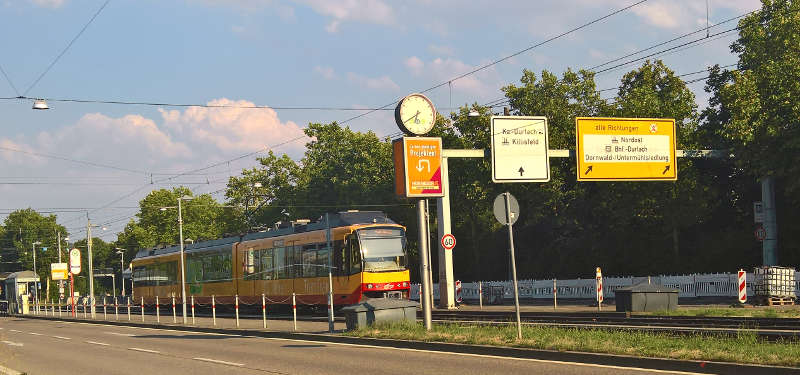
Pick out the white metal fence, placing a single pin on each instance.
(697, 285)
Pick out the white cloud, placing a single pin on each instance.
(48, 3)
(379, 83)
(441, 50)
(232, 129)
(325, 71)
(365, 11)
(414, 64)
(484, 82)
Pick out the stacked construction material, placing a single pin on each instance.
(774, 285)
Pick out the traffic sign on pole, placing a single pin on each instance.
(75, 261)
(625, 149)
(417, 167)
(519, 149)
(448, 241)
(499, 209)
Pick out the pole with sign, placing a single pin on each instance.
(448, 241)
(506, 211)
(74, 269)
(418, 174)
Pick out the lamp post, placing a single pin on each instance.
(121, 252)
(36, 282)
(89, 227)
(180, 235)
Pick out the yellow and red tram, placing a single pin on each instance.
(364, 250)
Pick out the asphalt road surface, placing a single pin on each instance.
(52, 347)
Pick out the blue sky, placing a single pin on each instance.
(308, 53)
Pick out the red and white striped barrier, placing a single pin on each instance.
(192, 309)
(213, 310)
(264, 310)
(599, 278)
(742, 286)
(458, 292)
(237, 311)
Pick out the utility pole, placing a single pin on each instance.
(91, 268)
(183, 273)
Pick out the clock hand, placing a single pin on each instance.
(409, 119)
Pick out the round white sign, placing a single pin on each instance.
(75, 261)
(448, 241)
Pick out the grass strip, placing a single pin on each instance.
(788, 312)
(746, 348)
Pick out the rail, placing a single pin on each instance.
(690, 286)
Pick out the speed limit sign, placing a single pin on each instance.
(448, 241)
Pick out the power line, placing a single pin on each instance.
(64, 158)
(9, 79)
(66, 48)
(495, 62)
(669, 41)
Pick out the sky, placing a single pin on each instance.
(340, 55)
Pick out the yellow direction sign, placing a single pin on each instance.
(625, 149)
(58, 271)
(418, 167)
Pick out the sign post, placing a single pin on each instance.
(504, 211)
(519, 149)
(74, 269)
(625, 149)
(418, 174)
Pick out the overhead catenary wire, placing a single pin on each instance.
(502, 59)
(71, 42)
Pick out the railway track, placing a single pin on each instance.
(766, 328)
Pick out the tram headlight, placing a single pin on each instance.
(369, 286)
(405, 284)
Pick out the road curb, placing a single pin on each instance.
(709, 367)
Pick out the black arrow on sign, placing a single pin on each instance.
(588, 170)
(665, 170)
(521, 171)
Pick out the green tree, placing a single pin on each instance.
(203, 219)
(21, 229)
(263, 193)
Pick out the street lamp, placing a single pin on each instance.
(183, 267)
(36, 286)
(121, 252)
(89, 227)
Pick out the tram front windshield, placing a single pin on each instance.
(383, 249)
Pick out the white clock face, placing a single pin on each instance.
(415, 114)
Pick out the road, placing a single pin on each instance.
(53, 347)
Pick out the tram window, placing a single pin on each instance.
(322, 260)
(194, 269)
(292, 258)
(309, 260)
(266, 268)
(354, 255)
(249, 264)
(339, 254)
(280, 263)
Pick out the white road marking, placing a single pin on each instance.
(218, 361)
(97, 343)
(145, 350)
(120, 334)
(14, 330)
(431, 351)
(13, 343)
(35, 334)
(62, 337)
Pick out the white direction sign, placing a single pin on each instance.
(519, 149)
